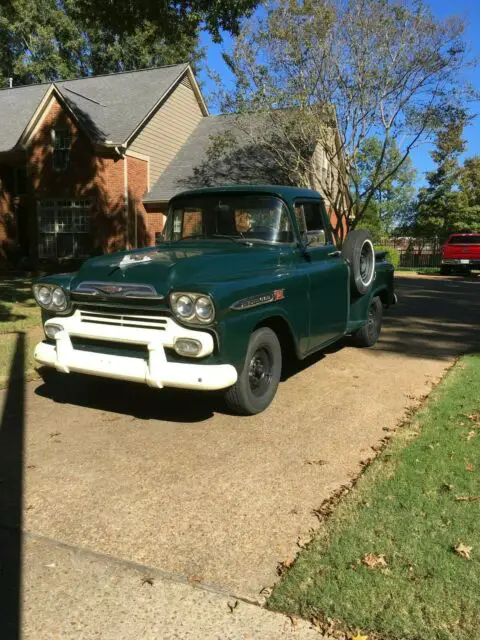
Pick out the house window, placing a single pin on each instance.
(64, 228)
(61, 141)
(20, 181)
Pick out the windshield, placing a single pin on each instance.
(237, 217)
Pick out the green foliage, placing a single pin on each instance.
(172, 20)
(442, 206)
(469, 185)
(393, 255)
(48, 40)
(372, 69)
(395, 195)
(405, 508)
(371, 221)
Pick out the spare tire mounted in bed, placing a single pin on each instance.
(359, 252)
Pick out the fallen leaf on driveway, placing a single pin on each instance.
(195, 579)
(374, 560)
(232, 606)
(467, 498)
(319, 462)
(295, 621)
(283, 566)
(302, 541)
(463, 551)
(266, 592)
(147, 580)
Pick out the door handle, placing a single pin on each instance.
(334, 254)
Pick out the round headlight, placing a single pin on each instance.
(204, 309)
(44, 296)
(59, 299)
(185, 307)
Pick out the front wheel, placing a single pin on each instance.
(257, 383)
(368, 335)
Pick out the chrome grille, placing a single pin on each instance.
(132, 320)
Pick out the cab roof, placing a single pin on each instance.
(287, 193)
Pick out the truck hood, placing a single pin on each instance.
(180, 265)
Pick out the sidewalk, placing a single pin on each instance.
(74, 594)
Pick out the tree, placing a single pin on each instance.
(173, 20)
(393, 199)
(367, 67)
(442, 206)
(48, 40)
(470, 180)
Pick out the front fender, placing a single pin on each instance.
(235, 330)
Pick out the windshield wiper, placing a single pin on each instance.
(227, 237)
(221, 236)
(198, 235)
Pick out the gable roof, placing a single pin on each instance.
(110, 107)
(245, 162)
(180, 173)
(16, 110)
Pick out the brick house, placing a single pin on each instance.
(87, 166)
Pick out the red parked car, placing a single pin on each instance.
(461, 251)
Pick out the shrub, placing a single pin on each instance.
(393, 255)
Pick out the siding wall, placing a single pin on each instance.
(165, 133)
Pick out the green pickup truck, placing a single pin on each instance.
(244, 279)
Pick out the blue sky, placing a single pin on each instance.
(468, 9)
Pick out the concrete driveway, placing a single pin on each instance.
(144, 508)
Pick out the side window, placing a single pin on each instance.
(310, 222)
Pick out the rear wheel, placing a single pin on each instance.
(368, 335)
(257, 383)
(445, 271)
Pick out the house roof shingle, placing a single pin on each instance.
(16, 110)
(180, 173)
(110, 107)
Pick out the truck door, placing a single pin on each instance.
(327, 271)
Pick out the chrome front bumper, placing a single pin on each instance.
(154, 370)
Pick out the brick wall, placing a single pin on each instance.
(88, 175)
(155, 216)
(7, 219)
(140, 234)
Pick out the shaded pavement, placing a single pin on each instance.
(150, 513)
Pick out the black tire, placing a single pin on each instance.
(359, 252)
(445, 271)
(257, 383)
(368, 335)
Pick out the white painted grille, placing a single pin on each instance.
(132, 320)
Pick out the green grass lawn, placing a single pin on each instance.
(405, 511)
(18, 313)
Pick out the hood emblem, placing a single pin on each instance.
(117, 290)
(132, 258)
